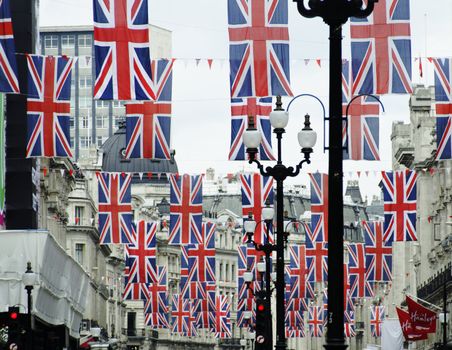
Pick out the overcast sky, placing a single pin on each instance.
(201, 108)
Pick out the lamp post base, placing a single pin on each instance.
(335, 344)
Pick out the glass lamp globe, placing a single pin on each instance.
(307, 137)
(29, 278)
(279, 119)
(249, 225)
(268, 212)
(261, 266)
(248, 277)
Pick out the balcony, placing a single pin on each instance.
(432, 290)
(405, 155)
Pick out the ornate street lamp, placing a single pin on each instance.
(29, 279)
(251, 138)
(335, 13)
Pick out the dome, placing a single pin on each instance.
(113, 159)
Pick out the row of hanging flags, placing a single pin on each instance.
(259, 69)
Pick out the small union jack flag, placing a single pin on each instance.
(241, 110)
(8, 66)
(188, 283)
(349, 330)
(48, 106)
(256, 191)
(381, 49)
(443, 102)
(377, 315)
(136, 291)
(156, 307)
(362, 135)
(180, 315)
(121, 50)
(316, 321)
(360, 287)
(317, 260)
(294, 319)
(203, 254)
(222, 317)
(298, 272)
(141, 253)
(259, 48)
(205, 307)
(115, 208)
(185, 209)
(297, 304)
(295, 332)
(319, 207)
(245, 306)
(378, 252)
(399, 192)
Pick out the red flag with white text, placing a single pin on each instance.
(422, 319)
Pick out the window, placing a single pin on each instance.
(101, 104)
(118, 104)
(71, 121)
(51, 42)
(101, 121)
(233, 272)
(84, 102)
(85, 141)
(67, 41)
(227, 273)
(79, 252)
(100, 141)
(78, 215)
(84, 122)
(85, 82)
(221, 271)
(84, 40)
(117, 119)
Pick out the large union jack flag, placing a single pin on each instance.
(381, 49)
(317, 260)
(443, 102)
(156, 307)
(319, 207)
(148, 124)
(377, 315)
(222, 317)
(204, 307)
(378, 252)
(121, 50)
(136, 291)
(185, 209)
(399, 192)
(115, 208)
(316, 321)
(141, 253)
(256, 191)
(180, 315)
(202, 256)
(48, 106)
(241, 110)
(259, 48)
(360, 287)
(298, 272)
(8, 66)
(362, 134)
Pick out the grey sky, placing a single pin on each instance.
(201, 119)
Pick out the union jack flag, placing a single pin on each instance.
(241, 110)
(48, 106)
(115, 208)
(205, 307)
(141, 253)
(203, 254)
(121, 50)
(298, 271)
(294, 319)
(259, 48)
(381, 49)
(360, 287)
(349, 330)
(319, 207)
(156, 307)
(295, 332)
(243, 306)
(180, 315)
(185, 209)
(8, 66)
(377, 315)
(148, 124)
(298, 304)
(378, 252)
(316, 321)
(188, 282)
(222, 317)
(443, 102)
(399, 192)
(136, 291)
(362, 136)
(256, 190)
(317, 260)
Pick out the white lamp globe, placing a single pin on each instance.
(249, 225)
(252, 138)
(279, 119)
(248, 277)
(268, 213)
(307, 137)
(261, 266)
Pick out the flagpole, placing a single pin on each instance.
(424, 301)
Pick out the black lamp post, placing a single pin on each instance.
(335, 13)
(306, 137)
(29, 280)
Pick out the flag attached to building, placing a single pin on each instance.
(121, 50)
(422, 318)
(443, 103)
(319, 207)
(259, 48)
(241, 110)
(256, 191)
(298, 272)
(408, 331)
(141, 253)
(399, 192)
(360, 287)
(381, 49)
(222, 328)
(316, 321)
(378, 253)
(185, 209)
(317, 260)
(48, 106)
(377, 315)
(362, 134)
(8, 66)
(156, 307)
(115, 208)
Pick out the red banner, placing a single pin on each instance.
(408, 332)
(422, 319)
